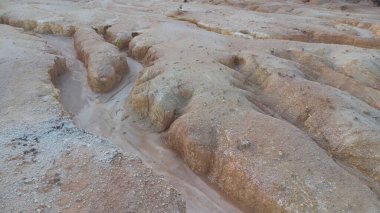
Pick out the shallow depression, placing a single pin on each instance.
(104, 115)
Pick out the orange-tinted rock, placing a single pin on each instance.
(230, 129)
(106, 66)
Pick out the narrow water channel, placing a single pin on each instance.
(105, 115)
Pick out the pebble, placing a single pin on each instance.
(27, 181)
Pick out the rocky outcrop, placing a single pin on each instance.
(49, 165)
(106, 66)
(276, 104)
(298, 93)
(302, 23)
(224, 124)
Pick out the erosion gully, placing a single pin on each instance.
(104, 115)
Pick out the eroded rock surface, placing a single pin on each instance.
(220, 120)
(276, 103)
(48, 164)
(106, 66)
